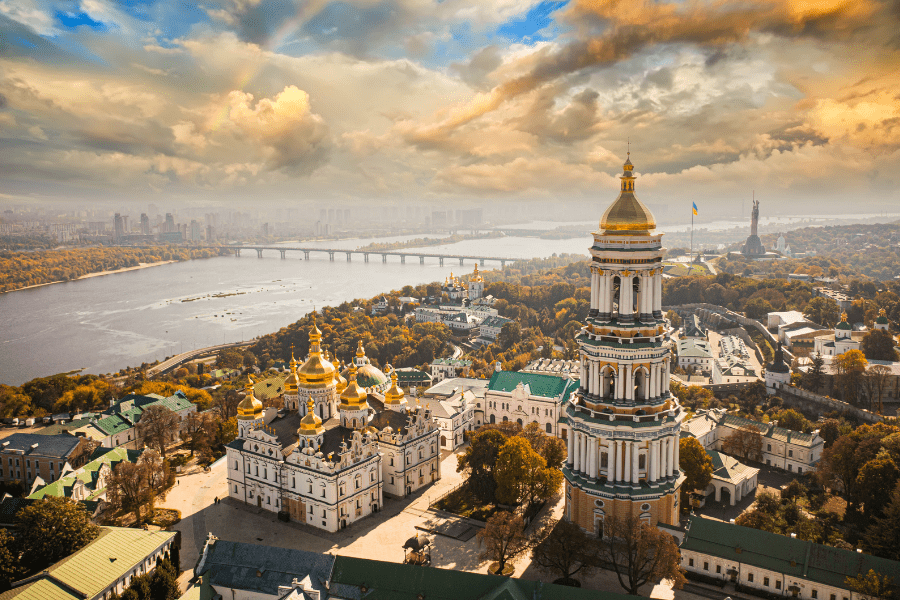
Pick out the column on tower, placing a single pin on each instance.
(663, 454)
(652, 387)
(583, 372)
(611, 458)
(626, 297)
(595, 378)
(595, 290)
(619, 460)
(677, 466)
(626, 466)
(653, 447)
(670, 460)
(570, 458)
(592, 452)
(606, 289)
(657, 307)
(635, 462)
(602, 384)
(577, 436)
(629, 382)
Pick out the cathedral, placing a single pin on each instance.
(335, 447)
(623, 424)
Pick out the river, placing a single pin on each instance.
(102, 324)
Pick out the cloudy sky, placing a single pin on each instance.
(449, 100)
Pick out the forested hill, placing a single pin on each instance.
(23, 269)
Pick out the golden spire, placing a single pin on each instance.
(353, 395)
(316, 371)
(627, 213)
(293, 360)
(394, 395)
(249, 408)
(360, 351)
(310, 424)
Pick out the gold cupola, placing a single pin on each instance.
(627, 214)
(249, 408)
(394, 396)
(316, 372)
(353, 396)
(310, 424)
(290, 384)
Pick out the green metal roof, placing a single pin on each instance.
(113, 424)
(783, 554)
(394, 581)
(546, 386)
(115, 552)
(776, 433)
(62, 487)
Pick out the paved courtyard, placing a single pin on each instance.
(379, 537)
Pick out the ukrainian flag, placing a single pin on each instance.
(695, 207)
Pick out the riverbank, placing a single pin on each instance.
(89, 275)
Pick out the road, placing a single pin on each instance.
(184, 357)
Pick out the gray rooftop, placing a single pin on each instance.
(445, 388)
(34, 444)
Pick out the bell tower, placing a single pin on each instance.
(624, 424)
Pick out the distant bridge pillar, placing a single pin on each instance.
(441, 258)
(331, 256)
(403, 259)
(259, 253)
(502, 263)
(384, 258)
(306, 254)
(481, 261)
(366, 257)
(422, 260)
(460, 261)
(237, 251)
(348, 256)
(282, 254)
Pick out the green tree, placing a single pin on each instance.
(830, 431)
(876, 481)
(882, 535)
(522, 474)
(640, 554)
(791, 419)
(849, 368)
(813, 378)
(51, 529)
(564, 549)
(879, 345)
(696, 465)
(757, 308)
(756, 519)
(478, 462)
(510, 335)
(745, 443)
(164, 582)
(503, 539)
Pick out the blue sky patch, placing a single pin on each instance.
(527, 28)
(73, 20)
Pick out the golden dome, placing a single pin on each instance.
(627, 213)
(394, 395)
(353, 395)
(310, 424)
(316, 372)
(360, 351)
(249, 408)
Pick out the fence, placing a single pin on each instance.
(813, 403)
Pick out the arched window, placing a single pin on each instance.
(549, 428)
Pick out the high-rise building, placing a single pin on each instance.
(118, 227)
(194, 231)
(624, 424)
(145, 224)
(169, 225)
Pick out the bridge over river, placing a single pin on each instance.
(403, 254)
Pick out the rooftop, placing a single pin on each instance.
(448, 387)
(35, 444)
(546, 386)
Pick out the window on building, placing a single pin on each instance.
(690, 562)
(777, 584)
(706, 566)
(766, 581)
(790, 452)
(768, 447)
(718, 568)
(815, 594)
(750, 577)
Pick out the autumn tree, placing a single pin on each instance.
(876, 481)
(563, 548)
(478, 462)
(157, 427)
(640, 554)
(504, 540)
(10, 570)
(879, 345)
(226, 403)
(752, 396)
(553, 449)
(745, 442)
(823, 311)
(696, 465)
(849, 368)
(132, 486)
(830, 431)
(876, 380)
(522, 474)
(872, 586)
(196, 430)
(52, 529)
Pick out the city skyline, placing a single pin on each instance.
(401, 101)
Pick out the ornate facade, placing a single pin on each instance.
(623, 424)
(327, 461)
